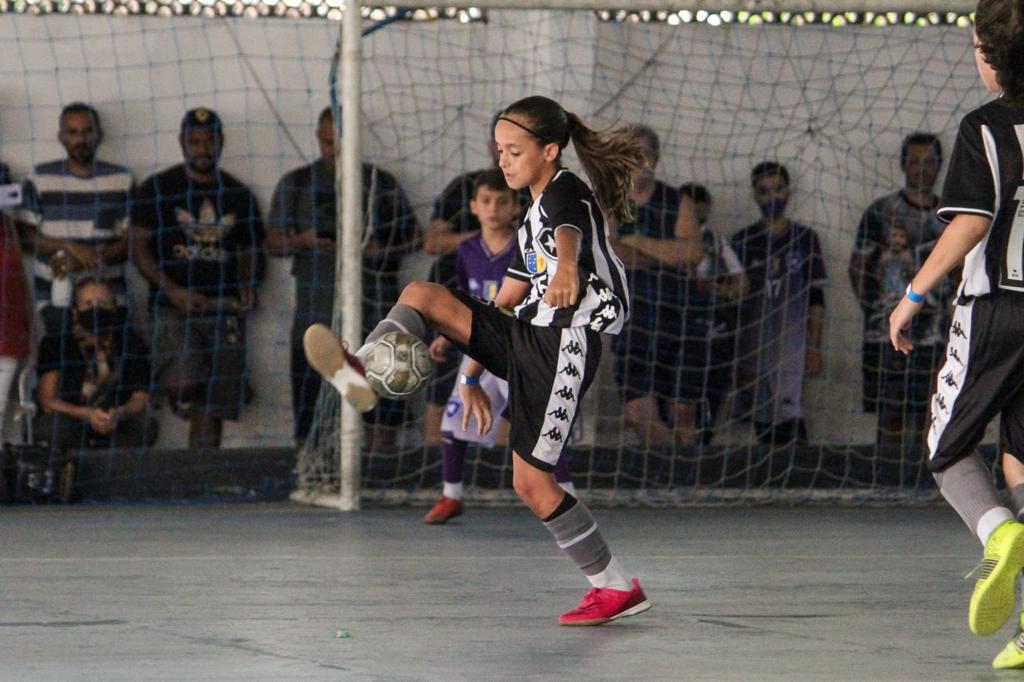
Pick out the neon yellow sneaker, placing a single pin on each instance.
(993, 600)
(1012, 655)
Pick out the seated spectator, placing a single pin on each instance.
(717, 284)
(76, 210)
(196, 232)
(302, 225)
(658, 248)
(94, 378)
(781, 319)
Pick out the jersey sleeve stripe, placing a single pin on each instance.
(947, 213)
(570, 226)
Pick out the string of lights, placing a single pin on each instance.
(332, 9)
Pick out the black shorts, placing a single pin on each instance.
(548, 370)
(689, 369)
(898, 381)
(983, 376)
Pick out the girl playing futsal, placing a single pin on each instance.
(566, 287)
(983, 375)
(480, 266)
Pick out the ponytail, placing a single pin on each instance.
(610, 158)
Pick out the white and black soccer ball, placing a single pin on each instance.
(398, 365)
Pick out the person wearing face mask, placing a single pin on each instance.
(93, 378)
(781, 318)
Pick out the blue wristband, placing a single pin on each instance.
(914, 297)
(469, 381)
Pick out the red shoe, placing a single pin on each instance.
(328, 356)
(443, 510)
(603, 604)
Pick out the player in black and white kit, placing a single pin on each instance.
(567, 287)
(983, 374)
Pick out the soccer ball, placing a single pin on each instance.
(398, 365)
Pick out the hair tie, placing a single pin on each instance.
(517, 123)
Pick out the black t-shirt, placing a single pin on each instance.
(80, 381)
(199, 230)
(984, 179)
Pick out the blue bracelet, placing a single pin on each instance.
(469, 381)
(914, 297)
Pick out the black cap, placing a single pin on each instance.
(200, 117)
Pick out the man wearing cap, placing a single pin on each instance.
(196, 231)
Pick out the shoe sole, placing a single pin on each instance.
(327, 356)
(993, 599)
(631, 611)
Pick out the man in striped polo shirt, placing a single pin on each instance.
(77, 210)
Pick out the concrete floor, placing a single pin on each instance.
(259, 592)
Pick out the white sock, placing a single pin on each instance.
(568, 487)
(612, 576)
(452, 490)
(340, 381)
(991, 520)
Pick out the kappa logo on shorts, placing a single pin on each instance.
(573, 348)
(957, 330)
(950, 381)
(941, 402)
(570, 370)
(560, 414)
(554, 434)
(565, 393)
(956, 356)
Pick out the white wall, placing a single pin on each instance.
(830, 103)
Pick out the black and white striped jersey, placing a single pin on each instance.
(986, 177)
(603, 302)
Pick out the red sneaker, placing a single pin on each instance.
(443, 510)
(328, 356)
(603, 604)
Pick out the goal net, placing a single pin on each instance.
(831, 97)
(672, 416)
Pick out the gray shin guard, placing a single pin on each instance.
(576, 532)
(401, 318)
(969, 488)
(1017, 500)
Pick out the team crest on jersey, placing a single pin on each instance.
(535, 263)
(546, 241)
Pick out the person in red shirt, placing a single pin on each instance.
(15, 306)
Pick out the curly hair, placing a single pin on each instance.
(1000, 28)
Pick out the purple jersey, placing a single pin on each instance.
(479, 272)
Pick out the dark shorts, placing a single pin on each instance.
(671, 367)
(548, 370)
(983, 376)
(900, 381)
(205, 350)
(445, 374)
